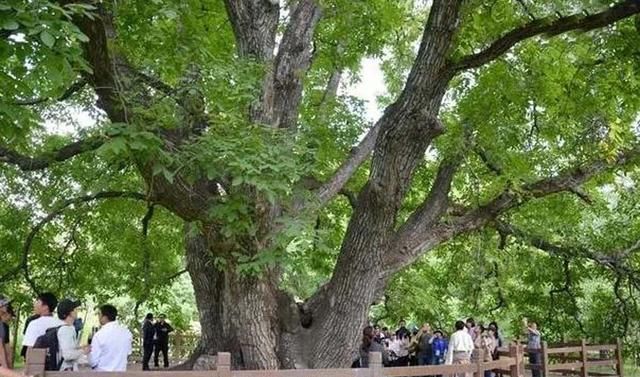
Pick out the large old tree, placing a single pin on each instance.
(228, 116)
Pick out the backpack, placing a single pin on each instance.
(49, 341)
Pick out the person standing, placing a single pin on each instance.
(460, 348)
(44, 307)
(111, 345)
(425, 348)
(68, 336)
(369, 345)
(148, 337)
(533, 346)
(6, 314)
(162, 340)
(439, 346)
(486, 343)
(471, 328)
(402, 331)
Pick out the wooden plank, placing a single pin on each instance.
(593, 363)
(576, 343)
(502, 363)
(563, 358)
(545, 359)
(516, 351)
(430, 370)
(363, 372)
(138, 373)
(602, 374)
(601, 347)
(553, 367)
(620, 363)
(583, 353)
(566, 371)
(375, 364)
(35, 361)
(223, 364)
(552, 351)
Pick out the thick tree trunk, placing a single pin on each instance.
(245, 315)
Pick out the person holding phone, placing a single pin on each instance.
(533, 345)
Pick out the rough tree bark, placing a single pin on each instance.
(248, 315)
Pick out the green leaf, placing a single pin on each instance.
(10, 25)
(47, 38)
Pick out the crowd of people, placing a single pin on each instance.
(55, 326)
(426, 346)
(109, 347)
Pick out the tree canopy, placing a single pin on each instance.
(500, 181)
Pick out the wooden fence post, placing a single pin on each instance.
(223, 364)
(583, 354)
(35, 361)
(375, 364)
(544, 359)
(515, 352)
(619, 359)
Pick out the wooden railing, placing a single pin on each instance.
(510, 363)
(578, 359)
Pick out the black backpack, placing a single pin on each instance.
(49, 341)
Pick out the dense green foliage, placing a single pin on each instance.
(547, 105)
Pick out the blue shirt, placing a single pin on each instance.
(439, 347)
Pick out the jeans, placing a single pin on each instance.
(535, 359)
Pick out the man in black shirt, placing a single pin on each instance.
(148, 335)
(162, 340)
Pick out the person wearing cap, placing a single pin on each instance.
(6, 314)
(44, 306)
(68, 337)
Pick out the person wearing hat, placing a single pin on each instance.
(6, 314)
(68, 337)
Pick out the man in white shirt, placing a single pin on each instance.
(44, 306)
(460, 348)
(111, 345)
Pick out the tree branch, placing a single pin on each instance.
(292, 61)
(357, 156)
(411, 247)
(254, 24)
(74, 88)
(491, 165)
(59, 209)
(613, 259)
(43, 161)
(550, 27)
(434, 205)
(104, 65)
